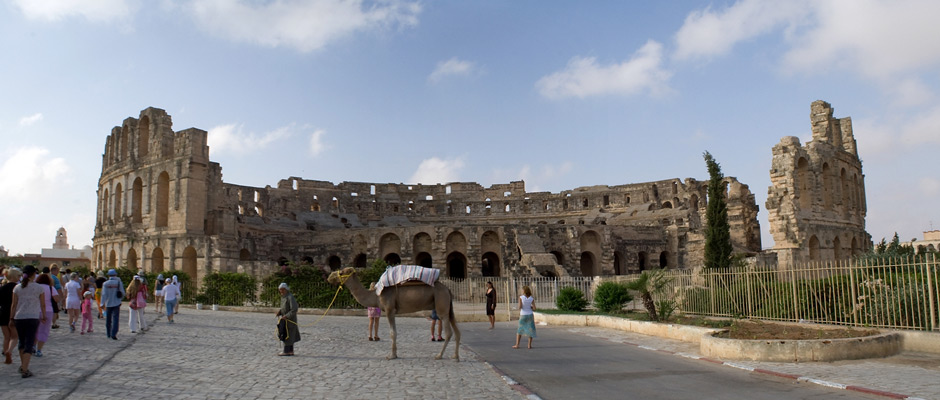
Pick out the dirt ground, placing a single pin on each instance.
(768, 330)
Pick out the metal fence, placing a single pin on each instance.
(901, 293)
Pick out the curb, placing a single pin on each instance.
(797, 378)
(518, 387)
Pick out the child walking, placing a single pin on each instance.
(86, 312)
(374, 314)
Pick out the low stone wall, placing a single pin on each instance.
(928, 342)
(883, 345)
(684, 333)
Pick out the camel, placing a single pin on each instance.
(403, 299)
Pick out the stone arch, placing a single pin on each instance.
(143, 136)
(693, 202)
(118, 209)
(137, 201)
(132, 259)
(559, 257)
(244, 255)
(100, 261)
(591, 245)
(813, 248)
(490, 264)
(667, 204)
(334, 262)
(156, 260)
(664, 259)
(837, 248)
(854, 250)
(804, 188)
(125, 132)
(163, 199)
(360, 261)
(619, 268)
(189, 263)
(587, 264)
(456, 265)
(642, 260)
(456, 241)
(424, 259)
(844, 184)
(105, 210)
(392, 259)
(421, 243)
(390, 244)
(112, 259)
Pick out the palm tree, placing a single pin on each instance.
(648, 284)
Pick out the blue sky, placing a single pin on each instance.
(559, 94)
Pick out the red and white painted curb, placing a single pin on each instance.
(783, 375)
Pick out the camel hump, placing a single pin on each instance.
(401, 274)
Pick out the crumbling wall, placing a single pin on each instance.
(816, 201)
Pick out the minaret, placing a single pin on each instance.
(61, 239)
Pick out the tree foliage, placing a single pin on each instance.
(717, 230)
(571, 299)
(651, 283)
(611, 296)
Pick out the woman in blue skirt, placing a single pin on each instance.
(526, 319)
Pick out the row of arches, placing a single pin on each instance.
(837, 188)
(834, 252)
(120, 146)
(112, 207)
(157, 262)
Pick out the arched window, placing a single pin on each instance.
(804, 189)
(118, 210)
(137, 201)
(189, 263)
(813, 248)
(163, 199)
(132, 259)
(156, 260)
(244, 255)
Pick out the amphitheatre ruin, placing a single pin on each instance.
(162, 205)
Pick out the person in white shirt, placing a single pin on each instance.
(171, 296)
(73, 300)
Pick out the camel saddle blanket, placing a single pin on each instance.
(401, 274)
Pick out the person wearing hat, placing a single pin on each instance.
(100, 280)
(288, 330)
(87, 321)
(171, 295)
(112, 292)
(137, 293)
(158, 291)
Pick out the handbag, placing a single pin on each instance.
(55, 304)
(282, 329)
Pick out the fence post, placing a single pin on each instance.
(796, 300)
(711, 294)
(747, 283)
(854, 291)
(930, 294)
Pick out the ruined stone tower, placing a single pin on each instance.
(816, 201)
(162, 205)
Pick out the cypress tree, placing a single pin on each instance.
(717, 230)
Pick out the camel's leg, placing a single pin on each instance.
(445, 319)
(391, 324)
(453, 323)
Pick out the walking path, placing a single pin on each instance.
(219, 355)
(223, 354)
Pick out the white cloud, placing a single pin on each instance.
(708, 33)
(891, 140)
(929, 186)
(31, 119)
(435, 170)
(30, 172)
(302, 25)
(534, 181)
(878, 38)
(909, 92)
(93, 10)
(452, 67)
(583, 77)
(316, 142)
(231, 138)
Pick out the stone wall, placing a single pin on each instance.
(162, 205)
(816, 201)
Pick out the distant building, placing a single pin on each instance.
(60, 254)
(931, 242)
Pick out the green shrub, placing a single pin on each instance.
(611, 296)
(571, 299)
(227, 289)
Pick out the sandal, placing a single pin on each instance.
(27, 374)
(377, 339)
(370, 338)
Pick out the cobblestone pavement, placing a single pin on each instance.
(219, 355)
(911, 374)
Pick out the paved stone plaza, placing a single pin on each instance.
(219, 354)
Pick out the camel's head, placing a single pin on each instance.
(335, 279)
